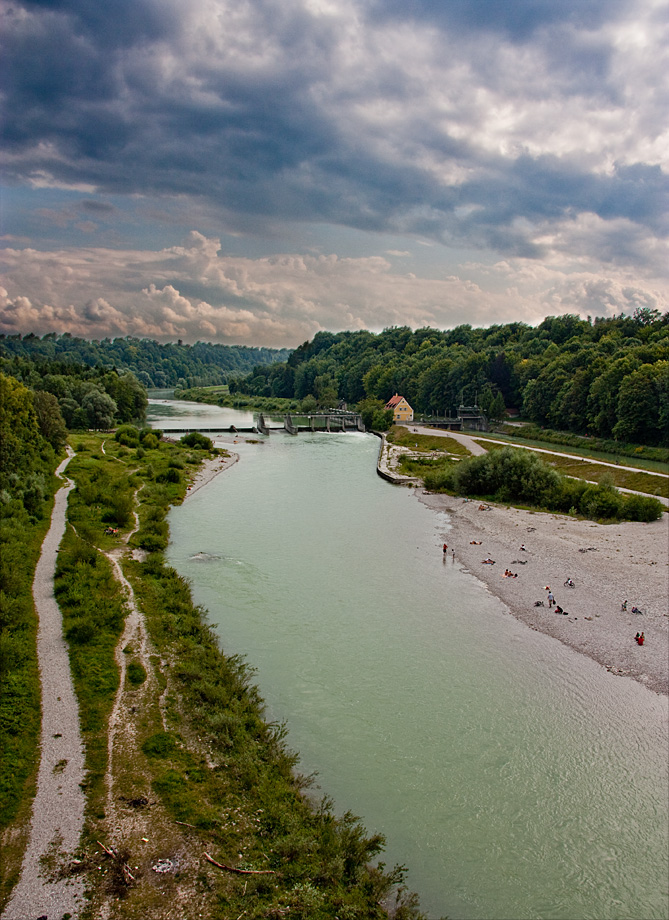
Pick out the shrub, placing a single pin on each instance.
(641, 508)
(81, 632)
(197, 440)
(170, 475)
(127, 435)
(136, 673)
(601, 502)
(162, 744)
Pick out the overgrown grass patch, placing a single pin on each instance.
(426, 442)
(653, 458)
(419, 467)
(91, 601)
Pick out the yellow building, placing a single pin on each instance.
(402, 411)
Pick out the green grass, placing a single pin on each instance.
(655, 459)
(425, 442)
(417, 467)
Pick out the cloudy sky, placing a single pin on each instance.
(253, 171)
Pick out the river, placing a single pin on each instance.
(513, 777)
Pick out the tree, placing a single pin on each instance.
(639, 405)
(497, 408)
(19, 430)
(100, 410)
(50, 419)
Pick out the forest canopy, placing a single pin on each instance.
(608, 377)
(153, 364)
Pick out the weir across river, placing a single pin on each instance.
(323, 421)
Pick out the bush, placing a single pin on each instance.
(170, 475)
(641, 508)
(197, 440)
(153, 432)
(509, 475)
(162, 744)
(127, 435)
(136, 673)
(81, 632)
(601, 503)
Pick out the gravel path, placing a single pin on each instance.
(58, 809)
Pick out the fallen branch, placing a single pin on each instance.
(185, 824)
(106, 849)
(239, 871)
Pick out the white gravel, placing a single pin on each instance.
(608, 564)
(58, 809)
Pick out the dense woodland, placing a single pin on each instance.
(68, 395)
(154, 365)
(608, 377)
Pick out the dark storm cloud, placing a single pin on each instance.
(287, 112)
(517, 20)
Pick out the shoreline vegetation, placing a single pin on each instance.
(205, 807)
(522, 477)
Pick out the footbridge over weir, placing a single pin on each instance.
(292, 424)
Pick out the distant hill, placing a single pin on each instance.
(154, 365)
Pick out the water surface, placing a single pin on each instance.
(514, 777)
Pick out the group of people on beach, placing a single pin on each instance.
(569, 583)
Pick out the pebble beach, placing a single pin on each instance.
(609, 564)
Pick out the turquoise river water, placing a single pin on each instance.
(513, 777)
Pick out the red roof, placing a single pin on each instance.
(393, 401)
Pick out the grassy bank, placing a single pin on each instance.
(197, 767)
(654, 458)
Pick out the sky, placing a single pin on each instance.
(254, 171)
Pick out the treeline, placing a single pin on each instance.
(68, 395)
(154, 365)
(608, 377)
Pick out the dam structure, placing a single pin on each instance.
(334, 420)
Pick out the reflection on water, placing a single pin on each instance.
(515, 778)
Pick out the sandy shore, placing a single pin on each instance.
(608, 564)
(211, 467)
